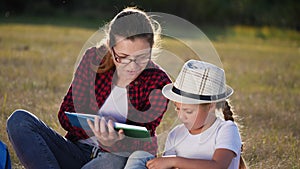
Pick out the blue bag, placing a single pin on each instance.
(4, 157)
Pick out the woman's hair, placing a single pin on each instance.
(130, 23)
(228, 115)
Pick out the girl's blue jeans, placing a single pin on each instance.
(38, 146)
(138, 160)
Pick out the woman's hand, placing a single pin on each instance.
(105, 132)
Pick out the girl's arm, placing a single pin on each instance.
(221, 159)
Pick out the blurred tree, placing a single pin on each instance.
(218, 12)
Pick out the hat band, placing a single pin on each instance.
(198, 97)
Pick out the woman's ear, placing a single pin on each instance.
(110, 51)
(107, 43)
(108, 47)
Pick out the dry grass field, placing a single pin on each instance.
(261, 64)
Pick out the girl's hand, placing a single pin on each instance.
(105, 132)
(160, 163)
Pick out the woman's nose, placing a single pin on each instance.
(132, 65)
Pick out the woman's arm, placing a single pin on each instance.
(221, 159)
(77, 97)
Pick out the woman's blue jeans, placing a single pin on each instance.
(38, 146)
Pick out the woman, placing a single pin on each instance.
(116, 80)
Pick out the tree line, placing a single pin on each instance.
(217, 12)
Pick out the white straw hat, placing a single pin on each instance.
(198, 82)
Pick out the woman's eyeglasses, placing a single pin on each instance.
(140, 59)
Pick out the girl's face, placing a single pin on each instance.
(193, 116)
(130, 57)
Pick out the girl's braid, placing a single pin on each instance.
(228, 114)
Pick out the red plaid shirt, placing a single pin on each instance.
(89, 90)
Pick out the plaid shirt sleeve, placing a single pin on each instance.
(77, 97)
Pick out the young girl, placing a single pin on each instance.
(203, 140)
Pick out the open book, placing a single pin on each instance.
(80, 120)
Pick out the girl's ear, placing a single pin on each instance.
(212, 106)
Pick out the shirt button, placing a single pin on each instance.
(136, 83)
(130, 97)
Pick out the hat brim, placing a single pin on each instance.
(168, 93)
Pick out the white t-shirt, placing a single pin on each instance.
(222, 134)
(116, 105)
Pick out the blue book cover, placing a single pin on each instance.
(80, 120)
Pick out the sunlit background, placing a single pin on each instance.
(258, 43)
